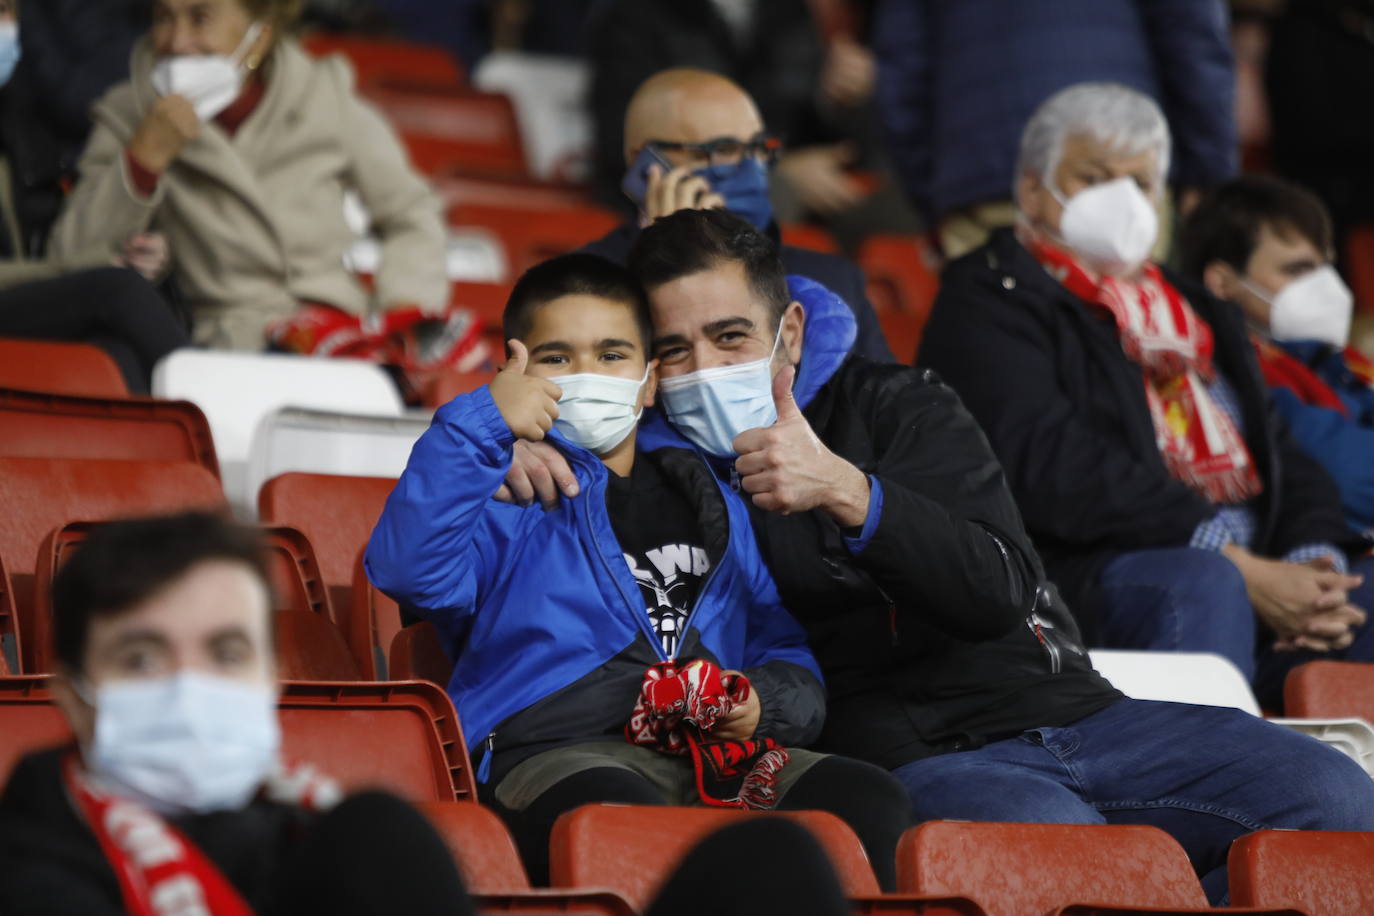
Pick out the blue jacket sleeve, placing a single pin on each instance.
(1192, 50)
(1343, 447)
(779, 663)
(903, 94)
(426, 550)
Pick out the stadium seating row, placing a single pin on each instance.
(404, 736)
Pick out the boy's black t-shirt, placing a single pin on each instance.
(660, 535)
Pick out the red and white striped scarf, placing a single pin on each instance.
(160, 872)
(1162, 334)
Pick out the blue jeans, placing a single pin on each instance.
(1205, 774)
(1190, 600)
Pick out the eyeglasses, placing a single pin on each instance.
(723, 150)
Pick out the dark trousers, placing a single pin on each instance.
(111, 307)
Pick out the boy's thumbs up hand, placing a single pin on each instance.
(528, 403)
(786, 468)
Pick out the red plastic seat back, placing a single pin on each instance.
(60, 368)
(336, 513)
(808, 236)
(454, 130)
(1325, 872)
(1359, 253)
(1330, 690)
(42, 494)
(530, 236)
(633, 849)
(59, 426)
(398, 735)
(1011, 869)
(486, 855)
(418, 654)
(399, 64)
(902, 282)
(403, 737)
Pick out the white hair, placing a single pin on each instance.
(1125, 120)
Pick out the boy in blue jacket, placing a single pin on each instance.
(627, 645)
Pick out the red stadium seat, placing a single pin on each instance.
(509, 191)
(1359, 256)
(337, 514)
(529, 236)
(400, 736)
(308, 646)
(374, 621)
(809, 236)
(60, 368)
(418, 655)
(1329, 873)
(451, 384)
(1330, 690)
(902, 282)
(632, 850)
(1014, 869)
(42, 494)
(491, 868)
(455, 130)
(385, 62)
(39, 425)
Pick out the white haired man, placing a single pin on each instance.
(1170, 504)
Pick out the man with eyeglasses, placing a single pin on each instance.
(695, 140)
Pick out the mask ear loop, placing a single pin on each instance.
(245, 43)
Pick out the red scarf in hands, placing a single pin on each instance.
(676, 710)
(160, 872)
(1162, 334)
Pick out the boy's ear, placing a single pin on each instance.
(646, 393)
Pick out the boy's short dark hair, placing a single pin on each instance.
(690, 241)
(122, 564)
(574, 275)
(1225, 225)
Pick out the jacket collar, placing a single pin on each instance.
(827, 339)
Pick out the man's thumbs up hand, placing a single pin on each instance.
(786, 469)
(528, 403)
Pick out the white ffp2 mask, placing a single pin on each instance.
(209, 81)
(190, 742)
(1111, 225)
(1316, 306)
(597, 411)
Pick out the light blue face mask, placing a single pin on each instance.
(713, 406)
(597, 411)
(9, 50)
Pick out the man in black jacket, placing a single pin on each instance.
(1169, 502)
(172, 797)
(887, 523)
(669, 122)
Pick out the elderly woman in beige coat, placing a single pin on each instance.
(239, 148)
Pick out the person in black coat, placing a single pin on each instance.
(1169, 502)
(682, 108)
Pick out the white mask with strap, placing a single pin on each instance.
(209, 81)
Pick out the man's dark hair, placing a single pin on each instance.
(1225, 225)
(574, 275)
(122, 564)
(690, 241)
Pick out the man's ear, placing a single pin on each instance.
(793, 330)
(1220, 279)
(1029, 189)
(646, 393)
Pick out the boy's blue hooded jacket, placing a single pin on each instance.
(539, 610)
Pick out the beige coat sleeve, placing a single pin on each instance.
(406, 213)
(103, 209)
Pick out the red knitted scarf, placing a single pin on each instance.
(1162, 334)
(678, 706)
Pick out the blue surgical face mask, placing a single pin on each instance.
(744, 185)
(713, 406)
(10, 51)
(597, 411)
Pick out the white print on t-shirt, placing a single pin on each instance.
(668, 588)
